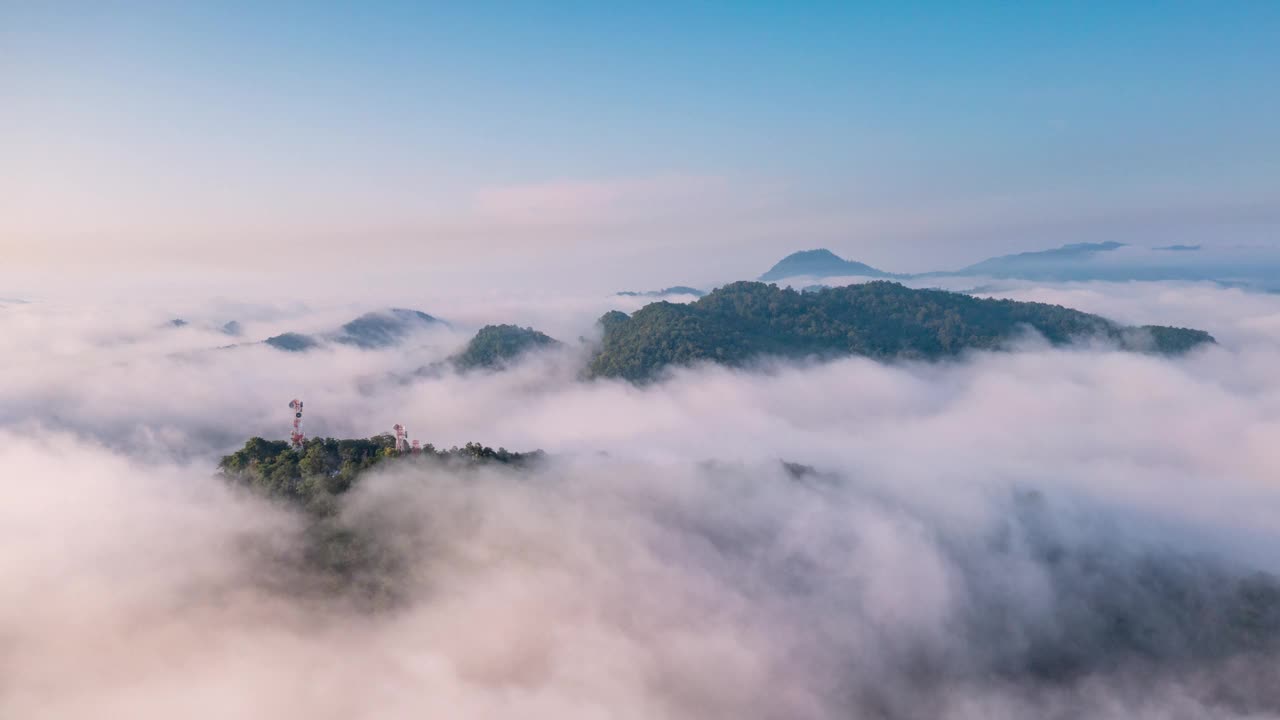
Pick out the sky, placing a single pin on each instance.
(632, 142)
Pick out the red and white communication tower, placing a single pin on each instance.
(402, 441)
(296, 437)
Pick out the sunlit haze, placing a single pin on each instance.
(556, 139)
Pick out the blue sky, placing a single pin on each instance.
(910, 135)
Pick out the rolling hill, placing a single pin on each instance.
(880, 319)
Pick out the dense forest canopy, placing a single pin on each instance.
(879, 319)
(326, 467)
(342, 557)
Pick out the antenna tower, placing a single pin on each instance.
(296, 437)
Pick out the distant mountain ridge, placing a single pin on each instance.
(1238, 267)
(370, 331)
(674, 290)
(823, 263)
(1056, 263)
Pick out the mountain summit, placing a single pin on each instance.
(819, 263)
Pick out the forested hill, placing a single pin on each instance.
(337, 555)
(497, 345)
(327, 467)
(879, 319)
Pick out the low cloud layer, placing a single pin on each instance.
(1046, 533)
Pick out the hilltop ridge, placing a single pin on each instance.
(880, 319)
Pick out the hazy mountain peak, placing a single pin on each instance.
(820, 262)
(383, 327)
(376, 329)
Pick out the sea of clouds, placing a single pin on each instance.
(1046, 532)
